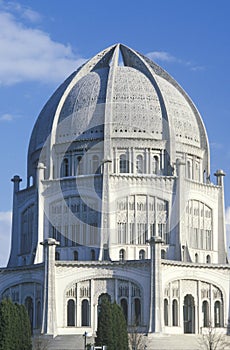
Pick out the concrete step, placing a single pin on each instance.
(62, 342)
(172, 342)
(152, 342)
(69, 342)
(184, 342)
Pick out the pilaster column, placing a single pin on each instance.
(92, 304)
(49, 321)
(78, 306)
(199, 301)
(146, 162)
(155, 322)
(13, 261)
(170, 305)
(222, 252)
(178, 219)
(130, 305)
(198, 309)
(211, 306)
(40, 213)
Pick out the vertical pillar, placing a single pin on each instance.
(162, 163)
(35, 306)
(78, 306)
(130, 160)
(40, 213)
(49, 322)
(146, 162)
(116, 291)
(200, 321)
(13, 261)
(181, 306)
(155, 322)
(170, 305)
(198, 309)
(178, 217)
(222, 253)
(92, 319)
(130, 321)
(212, 316)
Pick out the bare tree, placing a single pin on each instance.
(137, 341)
(213, 339)
(40, 343)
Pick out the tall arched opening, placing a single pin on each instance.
(189, 314)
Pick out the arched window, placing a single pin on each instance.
(95, 165)
(163, 254)
(30, 309)
(65, 167)
(142, 254)
(122, 255)
(124, 164)
(137, 311)
(189, 169)
(196, 258)
(189, 314)
(102, 297)
(139, 165)
(57, 256)
(75, 255)
(38, 315)
(79, 166)
(155, 165)
(31, 181)
(71, 313)
(218, 314)
(124, 306)
(85, 312)
(175, 312)
(197, 171)
(93, 256)
(204, 177)
(208, 259)
(166, 313)
(205, 311)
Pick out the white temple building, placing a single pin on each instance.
(119, 201)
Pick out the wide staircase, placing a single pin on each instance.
(68, 342)
(150, 342)
(173, 342)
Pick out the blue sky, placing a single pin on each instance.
(42, 42)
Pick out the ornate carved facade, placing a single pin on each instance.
(119, 195)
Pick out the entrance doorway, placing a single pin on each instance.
(189, 314)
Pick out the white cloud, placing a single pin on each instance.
(5, 236)
(21, 10)
(161, 56)
(29, 54)
(6, 117)
(197, 68)
(216, 145)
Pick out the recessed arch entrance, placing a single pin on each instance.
(189, 314)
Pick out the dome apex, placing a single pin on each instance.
(136, 98)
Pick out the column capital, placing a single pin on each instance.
(16, 178)
(41, 166)
(50, 242)
(220, 177)
(155, 240)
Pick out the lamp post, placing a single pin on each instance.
(85, 335)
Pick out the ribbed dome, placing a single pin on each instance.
(137, 98)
